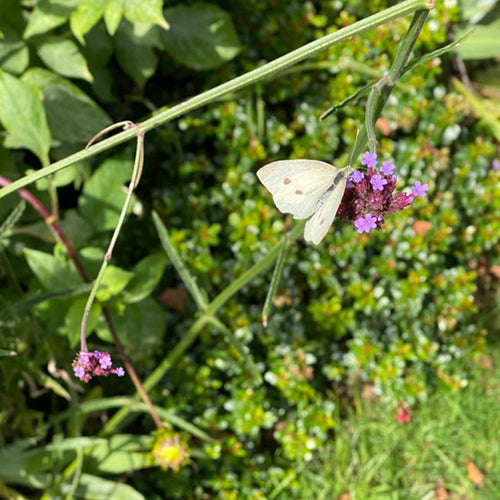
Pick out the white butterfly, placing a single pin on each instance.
(306, 187)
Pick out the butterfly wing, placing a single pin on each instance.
(297, 185)
(317, 226)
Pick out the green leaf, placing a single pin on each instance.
(85, 17)
(113, 282)
(134, 48)
(47, 15)
(53, 272)
(122, 453)
(147, 274)
(14, 53)
(483, 43)
(202, 36)
(113, 15)
(73, 117)
(146, 12)
(73, 320)
(64, 57)
(96, 488)
(103, 196)
(23, 116)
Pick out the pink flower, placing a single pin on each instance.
(403, 413)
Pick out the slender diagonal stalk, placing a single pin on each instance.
(394, 74)
(238, 83)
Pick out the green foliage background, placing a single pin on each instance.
(406, 309)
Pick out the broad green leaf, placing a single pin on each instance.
(96, 488)
(76, 228)
(47, 15)
(53, 272)
(21, 466)
(135, 51)
(113, 15)
(85, 17)
(483, 43)
(14, 53)
(103, 194)
(121, 453)
(146, 12)
(73, 117)
(113, 282)
(11, 16)
(147, 274)
(23, 116)
(201, 36)
(64, 57)
(73, 320)
(141, 326)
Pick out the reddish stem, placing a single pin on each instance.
(58, 233)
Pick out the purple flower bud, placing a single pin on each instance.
(495, 164)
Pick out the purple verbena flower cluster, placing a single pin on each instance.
(370, 196)
(93, 364)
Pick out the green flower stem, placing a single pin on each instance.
(396, 70)
(139, 160)
(238, 83)
(193, 332)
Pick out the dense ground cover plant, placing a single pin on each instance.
(397, 309)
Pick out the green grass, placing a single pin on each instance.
(373, 457)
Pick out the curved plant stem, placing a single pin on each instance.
(139, 161)
(402, 9)
(61, 237)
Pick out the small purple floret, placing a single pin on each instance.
(369, 159)
(495, 165)
(369, 197)
(91, 364)
(387, 168)
(378, 182)
(365, 224)
(356, 176)
(419, 189)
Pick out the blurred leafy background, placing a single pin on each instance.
(402, 314)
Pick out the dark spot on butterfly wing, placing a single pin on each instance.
(287, 180)
(321, 221)
(299, 191)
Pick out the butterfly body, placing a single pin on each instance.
(306, 188)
